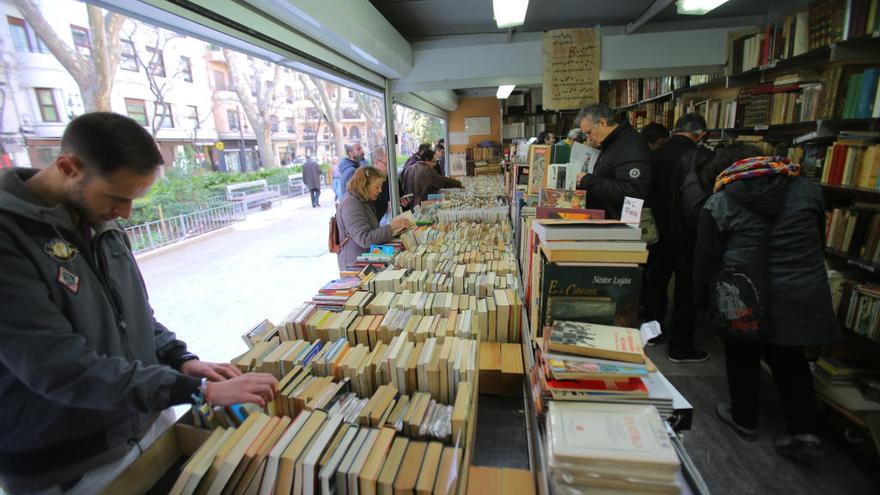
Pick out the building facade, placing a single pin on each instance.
(178, 87)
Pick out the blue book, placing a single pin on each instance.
(867, 88)
(382, 249)
(315, 349)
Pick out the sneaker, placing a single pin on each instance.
(799, 447)
(724, 413)
(658, 340)
(692, 356)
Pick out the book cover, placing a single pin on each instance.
(539, 156)
(602, 341)
(593, 293)
(595, 433)
(560, 198)
(568, 213)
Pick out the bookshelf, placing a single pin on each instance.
(804, 85)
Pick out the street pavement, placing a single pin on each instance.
(212, 291)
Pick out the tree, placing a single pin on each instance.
(424, 128)
(257, 89)
(326, 98)
(371, 109)
(94, 74)
(159, 81)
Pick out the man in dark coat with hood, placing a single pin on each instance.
(312, 179)
(624, 167)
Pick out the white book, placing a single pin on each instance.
(424, 361)
(272, 461)
(327, 476)
(354, 470)
(350, 456)
(313, 455)
(587, 434)
(400, 366)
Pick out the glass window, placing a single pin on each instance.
(232, 117)
(157, 62)
(46, 101)
(21, 39)
(192, 114)
(274, 123)
(81, 40)
(128, 57)
(186, 69)
(289, 92)
(137, 110)
(220, 80)
(291, 128)
(163, 115)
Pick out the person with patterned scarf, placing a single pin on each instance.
(764, 214)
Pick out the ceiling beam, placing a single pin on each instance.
(649, 13)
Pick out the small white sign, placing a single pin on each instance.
(632, 210)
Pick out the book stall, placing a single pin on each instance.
(381, 372)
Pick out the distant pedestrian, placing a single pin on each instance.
(349, 164)
(312, 179)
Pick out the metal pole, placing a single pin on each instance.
(243, 166)
(391, 150)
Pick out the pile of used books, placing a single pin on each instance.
(599, 363)
(609, 449)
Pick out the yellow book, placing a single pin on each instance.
(370, 472)
(199, 463)
(447, 473)
(287, 463)
(230, 456)
(392, 466)
(430, 466)
(408, 473)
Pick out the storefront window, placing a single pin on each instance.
(48, 109)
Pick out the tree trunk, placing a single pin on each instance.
(267, 153)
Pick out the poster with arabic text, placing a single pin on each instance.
(571, 68)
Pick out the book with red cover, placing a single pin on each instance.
(631, 386)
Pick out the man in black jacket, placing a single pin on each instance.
(623, 168)
(667, 255)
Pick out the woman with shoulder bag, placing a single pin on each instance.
(760, 272)
(356, 217)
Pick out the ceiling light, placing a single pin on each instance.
(504, 91)
(509, 13)
(697, 7)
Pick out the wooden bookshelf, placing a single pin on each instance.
(855, 261)
(851, 193)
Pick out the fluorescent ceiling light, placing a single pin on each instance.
(509, 13)
(504, 91)
(697, 7)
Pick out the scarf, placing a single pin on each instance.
(757, 166)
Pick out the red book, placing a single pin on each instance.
(838, 163)
(630, 386)
(765, 47)
(569, 213)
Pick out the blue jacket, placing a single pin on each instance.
(347, 168)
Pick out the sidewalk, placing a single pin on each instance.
(212, 291)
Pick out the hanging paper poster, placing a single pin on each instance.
(571, 68)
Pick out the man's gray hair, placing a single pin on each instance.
(349, 147)
(693, 123)
(594, 112)
(577, 135)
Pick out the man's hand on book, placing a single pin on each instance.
(216, 372)
(255, 388)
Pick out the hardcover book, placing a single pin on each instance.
(593, 293)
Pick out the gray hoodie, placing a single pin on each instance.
(84, 366)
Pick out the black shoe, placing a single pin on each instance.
(692, 356)
(318, 205)
(723, 411)
(799, 447)
(658, 340)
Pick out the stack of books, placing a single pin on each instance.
(609, 448)
(598, 363)
(855, 389)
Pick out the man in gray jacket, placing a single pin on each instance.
(312, 179)
(84, 367)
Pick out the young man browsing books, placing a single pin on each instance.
(85, 368)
